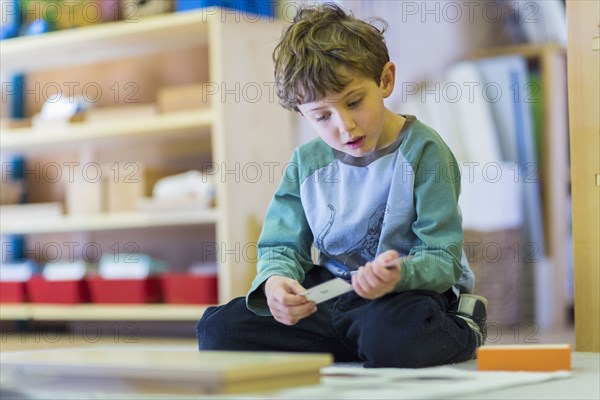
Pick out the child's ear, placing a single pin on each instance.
(388, 76)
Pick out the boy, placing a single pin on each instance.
(375, 188)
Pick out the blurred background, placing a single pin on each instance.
(141, 142)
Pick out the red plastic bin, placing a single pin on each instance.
(41, 290)
(13, 292)
(124, 291)
(182, 288)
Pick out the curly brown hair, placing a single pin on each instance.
(318, 46)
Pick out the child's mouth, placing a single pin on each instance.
(355, 144)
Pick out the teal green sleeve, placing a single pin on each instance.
(285, 241)
(436, 255)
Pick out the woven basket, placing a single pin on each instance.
(496, 260)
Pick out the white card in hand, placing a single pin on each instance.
(327, 290)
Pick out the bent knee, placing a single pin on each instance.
(405, 357)
(414, 348)
(428, 349)
(217, 329)
(207, 330)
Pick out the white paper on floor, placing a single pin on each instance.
(349, 383)
(426, 383)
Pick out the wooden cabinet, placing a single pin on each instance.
(245, 136)
(584, 119)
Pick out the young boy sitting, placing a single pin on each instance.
(375, 188)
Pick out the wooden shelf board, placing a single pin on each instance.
(98, 312)
(107, 41)
(92, 133)
(14, 312)
(108, 221)
(525, 50)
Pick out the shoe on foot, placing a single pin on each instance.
(473, 309)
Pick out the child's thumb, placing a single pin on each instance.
(391, 255)
(296, 287)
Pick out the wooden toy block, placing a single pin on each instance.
(542, 357)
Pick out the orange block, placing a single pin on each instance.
(541, 357)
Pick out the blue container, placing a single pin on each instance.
(184, 5)
(265, 8)
(12, 249)
(16, 168)
(17, 100)
(11, 16)
(14, 174)
(259, 7)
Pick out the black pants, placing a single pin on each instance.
(403, 330)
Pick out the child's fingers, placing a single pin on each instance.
(362, 281)
(370, 277)
(386, 257)
(290, 299)
(301, 310)
(376, 275)
(279, 294)
(287, 293)
(290, 315)
(293, 296)
(373, 281)
(386, 275)
(357, 285)
(295, 287)
(363, 289)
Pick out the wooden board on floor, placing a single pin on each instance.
(163, 369)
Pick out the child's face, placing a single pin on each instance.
(354, 120)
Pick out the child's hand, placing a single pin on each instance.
(286, 305)
(374, 280)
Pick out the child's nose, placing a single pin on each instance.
(346, 123)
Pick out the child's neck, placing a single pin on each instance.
(392, 126)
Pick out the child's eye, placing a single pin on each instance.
(323, 117)
(354, 103)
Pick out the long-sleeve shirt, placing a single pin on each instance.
(403, 197)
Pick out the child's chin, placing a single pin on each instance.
(357, 152)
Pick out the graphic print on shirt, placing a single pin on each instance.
(365, 249)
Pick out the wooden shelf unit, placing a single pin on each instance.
(240, 131)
